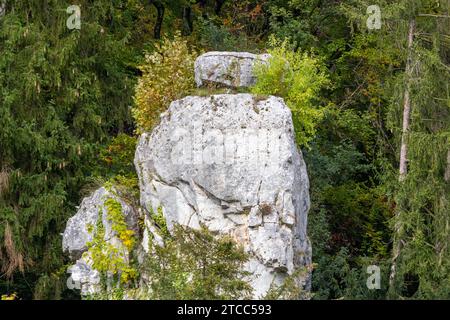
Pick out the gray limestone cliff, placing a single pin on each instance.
(229, 162)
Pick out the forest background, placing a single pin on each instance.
(370, 96)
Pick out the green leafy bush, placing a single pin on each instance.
(119, 155)
(298, 78)
(195, 264)
(167, 75)
(112, 262)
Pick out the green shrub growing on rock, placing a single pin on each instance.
(195, 264)
(167, 75)
(298, 78)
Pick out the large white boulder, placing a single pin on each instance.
(230, 162)
(229, 69)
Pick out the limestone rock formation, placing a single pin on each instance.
(230, 69)
(76, 235)
(230, 162)
(80, 230)
(83, 277)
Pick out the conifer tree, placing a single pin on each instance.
(63, 93)
(419, 119)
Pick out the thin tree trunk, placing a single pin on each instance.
(159, 20)
(407, 105)
(404, 146)
(218, 6)
(447, 171)
(188, 26)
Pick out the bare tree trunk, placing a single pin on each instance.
(218, 6)
(159, 20)
(407, 105)
(188, 25)
(2, 8)
(398, 243)
(447, 171)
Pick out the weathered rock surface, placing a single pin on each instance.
(80, 230)
(83, 277)
(76, 235)
(230, 69)
(230, 162)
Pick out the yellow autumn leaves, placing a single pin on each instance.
(167, 75)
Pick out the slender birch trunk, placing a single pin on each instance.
(404, 144)
(407, 105)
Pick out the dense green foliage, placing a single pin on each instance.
(298, 79)
(167, 75)
(63, 92)
(67, 100)
(194, 264)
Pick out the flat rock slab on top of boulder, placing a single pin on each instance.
(227, 69)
